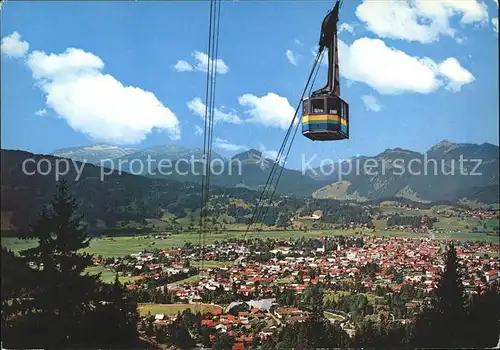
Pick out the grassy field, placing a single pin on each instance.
(455, 223)
(107, 276)
(453, 227)
(286, 280)
(172, 309)
(334, 296)
(122, 246)
(210, 264)
(190, 280)
(332, 316)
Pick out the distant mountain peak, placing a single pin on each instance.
(489, 145)
(93, 153)
(249, 154)
(254, 151)
(445, 144)
(390, 152)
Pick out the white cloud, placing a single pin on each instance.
(198, 131)
(419, 20)
(269, 110)
(41, 112)
(197, 107)
(371, 103)
(494, 21)
(298, 42)
(346, 27)
(201, 64)
(227, 146)
(183, 66)
(12, 46)
(391, 71)
(95, 103)
(291, 57)
(456, 74)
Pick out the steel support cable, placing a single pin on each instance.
(205, 134)
(293, 138)
(316, 74)
(213, 64)
(259, 210)
(310, 89)
(286, 137)
(280, 152)
(314, 71)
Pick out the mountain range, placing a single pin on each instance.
(445, 172)
(438, 174)
(130, 160)
(123, 197)
(103, 200)
(249, 169)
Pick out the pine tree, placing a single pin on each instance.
(449, 294)
(58, 290)
(57, 304)
(114, 322)
(483, 318)
(317, 301)
(442, 324)
(16, 276)
(223, 342)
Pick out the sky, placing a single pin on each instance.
(133, 74)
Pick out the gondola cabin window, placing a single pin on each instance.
(318, 105)
(305, 107)
(333, 106)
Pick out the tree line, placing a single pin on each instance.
(413, 221)
(48, 301)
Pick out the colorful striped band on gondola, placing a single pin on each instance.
(330, 119)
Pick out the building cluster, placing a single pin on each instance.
(378, 262)
(482, 214)
(417, 260)
(259, 320)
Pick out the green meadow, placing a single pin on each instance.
(118, 246)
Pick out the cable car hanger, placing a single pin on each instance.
(325, 116)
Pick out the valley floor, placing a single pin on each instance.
(119, 246)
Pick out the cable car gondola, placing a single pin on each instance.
(325, 115)
(325, 118)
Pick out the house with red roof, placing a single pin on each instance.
(239, 346)
(492, 275)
